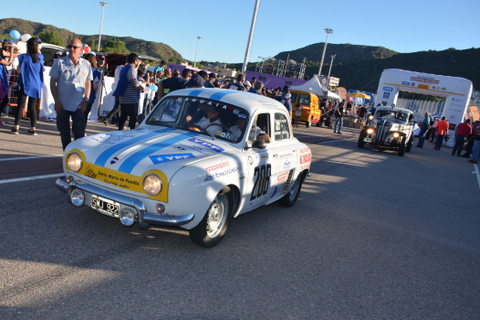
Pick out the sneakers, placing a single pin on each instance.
(32, 132)
(14, 131)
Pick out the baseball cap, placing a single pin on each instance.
(247, 83)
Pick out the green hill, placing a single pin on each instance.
(154, 49)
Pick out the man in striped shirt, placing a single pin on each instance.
(128, 90)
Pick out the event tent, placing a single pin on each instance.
(317, 87)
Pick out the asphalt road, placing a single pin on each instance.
(373, 236)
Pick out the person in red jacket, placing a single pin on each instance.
(462, 131)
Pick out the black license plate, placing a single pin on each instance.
(106, 206)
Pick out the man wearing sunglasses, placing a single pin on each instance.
(70, 84)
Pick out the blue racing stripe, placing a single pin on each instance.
(107, 154)
(130, 163)
(220, 95)
(196, 93)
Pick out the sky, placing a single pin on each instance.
(224, 26)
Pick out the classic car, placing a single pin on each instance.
(390, 127)
(182, 167)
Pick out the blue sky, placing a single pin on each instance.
(404, 26)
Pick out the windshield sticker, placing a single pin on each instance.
(206, 144)
(156, 159)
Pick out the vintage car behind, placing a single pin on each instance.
(172, 172)
(389, 127)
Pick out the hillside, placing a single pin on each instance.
(154, 49)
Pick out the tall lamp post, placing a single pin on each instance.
(327, 31)
(330, 70)
(250, 36)
(196, 51)
(103, 4)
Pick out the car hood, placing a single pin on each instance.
(134, 152)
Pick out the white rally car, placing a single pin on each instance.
(197, 160)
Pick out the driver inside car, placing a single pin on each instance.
(258, 133)
(210, 122)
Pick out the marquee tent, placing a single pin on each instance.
(316, 87)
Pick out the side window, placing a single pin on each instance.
(281, 127)
(260, 125)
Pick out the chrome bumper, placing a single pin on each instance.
(142, 216)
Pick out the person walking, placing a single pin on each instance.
(6, 59)
(462, 131)
(30, 83)
(476, 144)
(95, 84)
(116, 106)
(339, 111)
(442, 130)
(424, 126)
(70, 85)
(128, 89)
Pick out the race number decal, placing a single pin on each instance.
(262, 181)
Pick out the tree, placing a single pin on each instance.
(52, 37)
(114, 45)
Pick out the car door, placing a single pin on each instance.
(259, 164)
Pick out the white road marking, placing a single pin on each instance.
(32, 157)
(46, 176)
(477, 173)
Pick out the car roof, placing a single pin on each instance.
(396, 109)
(246, 100)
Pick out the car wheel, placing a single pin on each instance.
(309, 123)
(409, 144)
(401, 149)
(291, 197)
(213, 227)
(361, 143)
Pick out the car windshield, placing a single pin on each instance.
(391, 115)
(209, 117)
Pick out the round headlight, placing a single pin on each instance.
(370, 117)
(152, 184)
(369, 131)
(396, 134)
(74, 162)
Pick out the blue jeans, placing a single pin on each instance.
(338, 125)
(476, 150)
(459, 141)
(421, 137)
(78, 125)
(439, 141)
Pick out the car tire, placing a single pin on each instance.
(361, 143)
(409, 144)
(309, 123)
(213, 227)
(291, 197)
(401, 148)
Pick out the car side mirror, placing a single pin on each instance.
(259, 144)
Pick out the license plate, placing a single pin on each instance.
(367, 139)
(105, 206)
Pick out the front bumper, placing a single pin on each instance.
(141, 216)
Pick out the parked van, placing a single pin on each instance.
(310, 105)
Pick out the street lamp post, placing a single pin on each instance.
(103, 4)
(196, 51)
(327, 31)
(330, 69)
(250, 37)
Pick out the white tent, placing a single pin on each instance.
(317, 87)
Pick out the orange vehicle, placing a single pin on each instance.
(310, 105)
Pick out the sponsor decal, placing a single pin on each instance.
(206, 144)
(219, 171)
(425, 80)
(156, 159)
(305, 159)
(287, 164)
(423, 86)
(216, 167)
(386, 95)
(282, 177)
(114, 160)
(405, 83)
(250, 160)
(388, 89)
